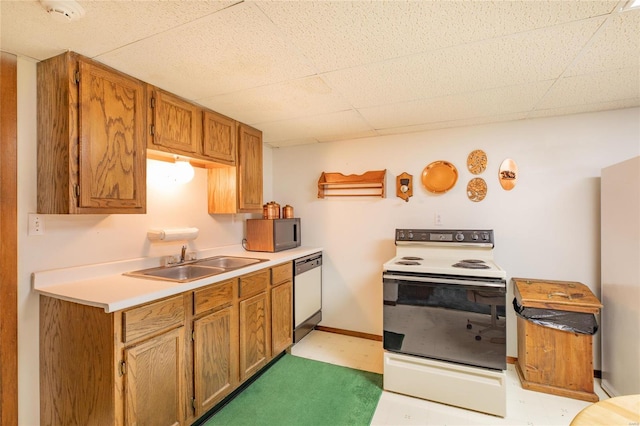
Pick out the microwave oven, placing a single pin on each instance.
(272, 234)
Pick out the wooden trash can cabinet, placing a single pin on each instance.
(551, 360)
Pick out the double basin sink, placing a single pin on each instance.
(196, 269)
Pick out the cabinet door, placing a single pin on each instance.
(215, 357)
(249, 169)
(112, 142)
(175, 123)
(219, 137)
(281, 317)
(253, 335)
(154, 390)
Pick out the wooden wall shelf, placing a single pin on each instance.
(368, 184)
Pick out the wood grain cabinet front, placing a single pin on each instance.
(105, 380)
(281, 307)
(219, 136)
(238, 189)
(215, 344)
(91, 140)
(174, 123)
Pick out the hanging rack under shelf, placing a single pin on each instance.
(368, 184)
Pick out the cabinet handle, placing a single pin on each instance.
(123, 368)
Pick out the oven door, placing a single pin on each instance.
(449, 318)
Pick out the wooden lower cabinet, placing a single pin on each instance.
(167, 362)
(253, 335)
(215, 358)
(89, 376)
(153, 387)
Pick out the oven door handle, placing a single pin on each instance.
(444, 281)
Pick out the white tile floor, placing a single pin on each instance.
(524, 407)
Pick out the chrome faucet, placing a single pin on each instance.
(183, 254)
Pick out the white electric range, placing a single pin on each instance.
(444, 319)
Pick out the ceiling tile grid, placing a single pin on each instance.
(528, 57)
(232, 50)
(288, 100)
(317, 71)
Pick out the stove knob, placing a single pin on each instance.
(474, 237)
(485, 236)
(410, 235)
(401, 235)
(459, 236)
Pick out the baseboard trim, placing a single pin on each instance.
(349, 333)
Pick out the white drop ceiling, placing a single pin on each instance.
(311, 71)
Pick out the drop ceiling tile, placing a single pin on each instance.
(616, 45)
(337, 35)
(577, 109)
(326, 127)
(454, 123)
(232, 50)
(282, 101)
(532, 56)
(293, 142)
(499, 101)
(607, 86)
(28, 29)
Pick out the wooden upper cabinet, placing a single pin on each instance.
(91, 141)
(219, 137)
(175, 123)
(249, 169)
(238, 189)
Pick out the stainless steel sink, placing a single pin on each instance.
(196, 269)
(178, 273)
(228, 262)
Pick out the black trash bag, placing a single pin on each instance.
(575, 322)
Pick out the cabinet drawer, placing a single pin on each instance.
(254, 283)
(281, 273)
(152, 318)
(213, 296)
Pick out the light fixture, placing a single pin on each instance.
(630, 5)
(63, 10)
(183, 170)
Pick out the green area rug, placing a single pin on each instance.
(300, 391)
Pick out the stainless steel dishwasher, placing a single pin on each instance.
(307, 294)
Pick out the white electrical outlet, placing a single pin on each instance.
(437, 219)
(36, 224)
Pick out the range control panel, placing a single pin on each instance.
(443, 236)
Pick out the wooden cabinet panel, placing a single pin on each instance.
(249, 169)
(215, 357)
(219, 137)
(176, 123)
(91, 140)
(251, 284)
(281, 273)
(281, 317)
(213, 296)
(112, 149)
(152, 318)
(253, 335)
(78, 377)
(153, 380)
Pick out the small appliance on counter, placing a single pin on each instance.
(271, 235)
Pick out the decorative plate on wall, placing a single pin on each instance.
(508, 174)
(476, 189)
(477, 161)
(439, 177)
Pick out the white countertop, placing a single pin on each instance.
(104, 286)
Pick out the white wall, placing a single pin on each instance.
(547, 227)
